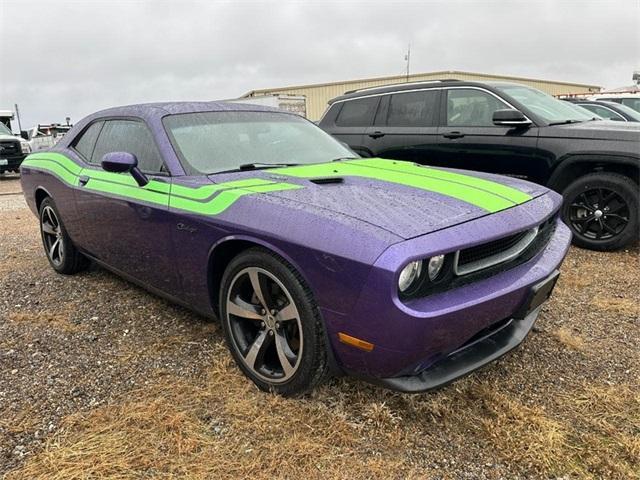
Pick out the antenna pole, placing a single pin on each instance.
(18, 117)
(407, 57)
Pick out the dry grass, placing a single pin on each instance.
(570, 339)
(60, 320)
(620, 306)
(221, 427)
(593, 433)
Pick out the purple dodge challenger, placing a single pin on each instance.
(315, 260)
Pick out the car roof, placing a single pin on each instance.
(172, 108)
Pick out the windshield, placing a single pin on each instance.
(4, 130)
(212, 142)
(550, 109)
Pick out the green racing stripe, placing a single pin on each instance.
(486, 194)
(215, 198)
(191, 199)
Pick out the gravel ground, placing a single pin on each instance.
(74, 350)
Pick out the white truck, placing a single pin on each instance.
(45, 136)
(13, 149)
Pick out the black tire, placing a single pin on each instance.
(310, 365)
(601, 209)
(65, 257)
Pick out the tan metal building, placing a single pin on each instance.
(317, 95)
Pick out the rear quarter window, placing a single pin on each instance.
(359, 112)
(86, 141)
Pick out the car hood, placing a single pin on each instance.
(402, 198)
(596, 130)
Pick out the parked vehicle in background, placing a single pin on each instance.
(407, 275)
(509, 129)
(5, 118)
(631, 100)
(616, 112)
(44, 136)
(13, 150)
(289, 103)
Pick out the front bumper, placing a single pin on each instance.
(484, 348)
(12, 163)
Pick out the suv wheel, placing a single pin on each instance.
(272, 324)
(602, 211)
(62, 254)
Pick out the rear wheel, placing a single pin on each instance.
(62, 254)
(602, 211)
(272, 324)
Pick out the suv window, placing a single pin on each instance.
(87, 140)
(358, 113)
(413, 109)
(471, 108)
(132, 137)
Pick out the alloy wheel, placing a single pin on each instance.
(52, 235)
(599, 214)
(265, 324)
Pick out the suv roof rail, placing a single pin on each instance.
(420, 82)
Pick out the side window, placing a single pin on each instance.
(471, 108)
(631, 102)
(132, 137)
(413, 109)
(358, 113)
(87, 140)
(603, 112)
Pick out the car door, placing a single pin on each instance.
(350, 120)
(128, 225)
(470, 140)
(405, 127)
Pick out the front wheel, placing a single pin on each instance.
(272, 324)
(602, 211)
(62, 254)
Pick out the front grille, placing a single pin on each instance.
(9, 148)
(492, 253)
(480, 252)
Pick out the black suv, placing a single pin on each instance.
(509, 129)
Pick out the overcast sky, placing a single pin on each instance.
(60, 58)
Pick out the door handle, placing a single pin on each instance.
(376, 134)
(453, 135)
(82, 181)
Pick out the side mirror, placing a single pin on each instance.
(119, 162)
(24, 134)
(510, 118)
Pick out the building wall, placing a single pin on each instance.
(318, 95)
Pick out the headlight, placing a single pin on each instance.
(409, 274)
(25, 147)
(435, 266)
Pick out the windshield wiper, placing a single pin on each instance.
(339, 159)
(565, 122)
(257, 166)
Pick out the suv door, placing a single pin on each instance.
(127, 225)
(405, 127)
(347, 121)
(470, 140)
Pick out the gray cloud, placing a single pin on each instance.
(71, 57)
